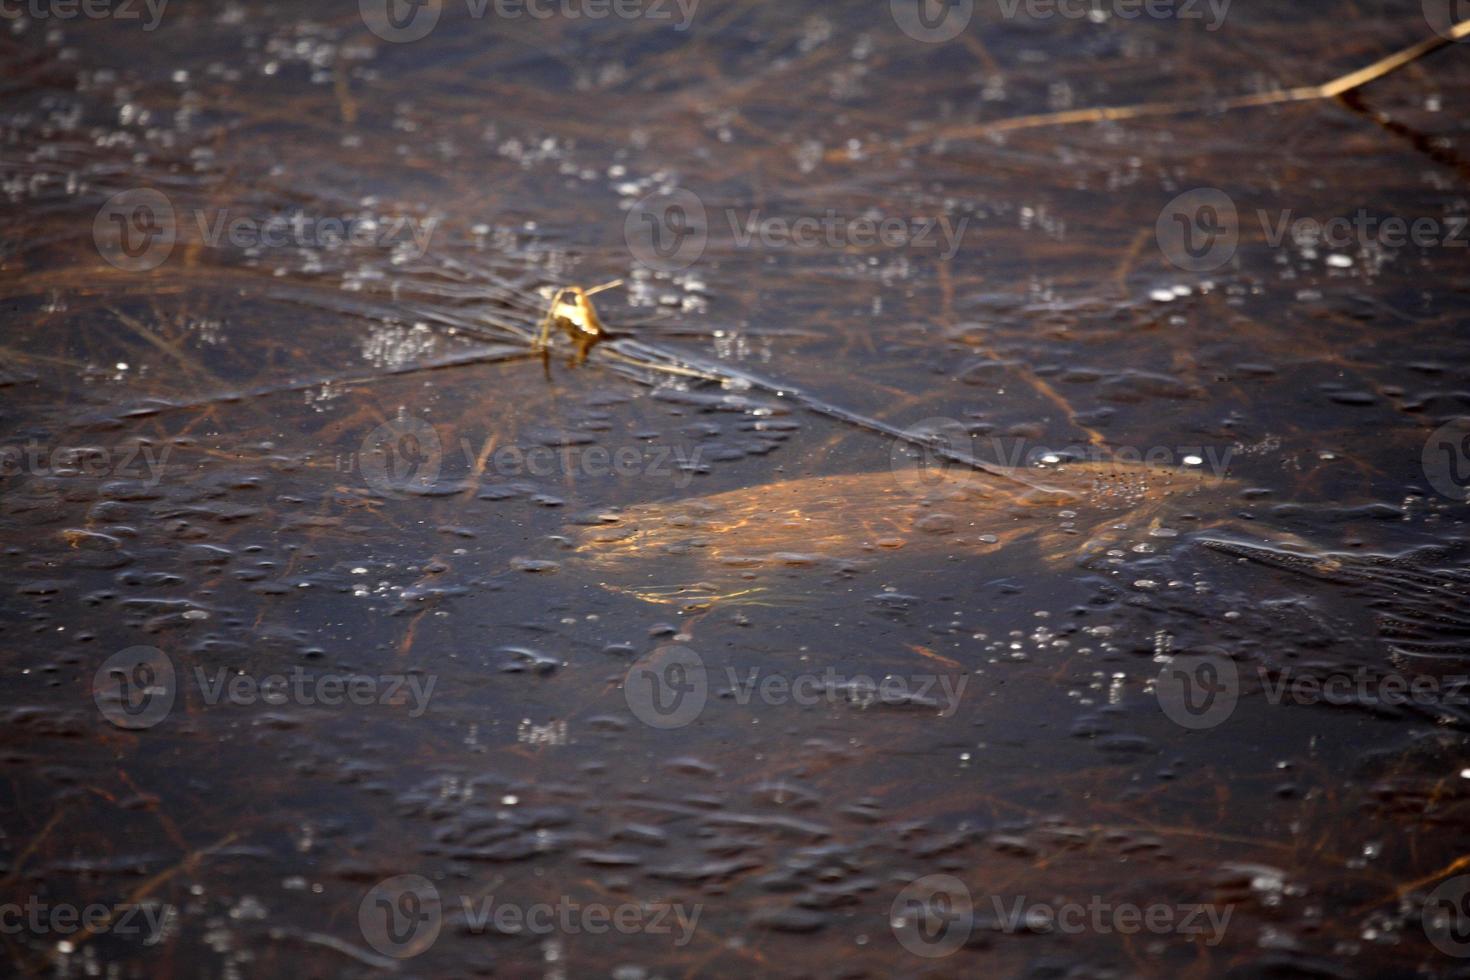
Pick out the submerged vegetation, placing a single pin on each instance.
(1030, 544)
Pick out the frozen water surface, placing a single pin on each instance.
(344, 636)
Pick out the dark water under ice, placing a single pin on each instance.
(296, 595)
